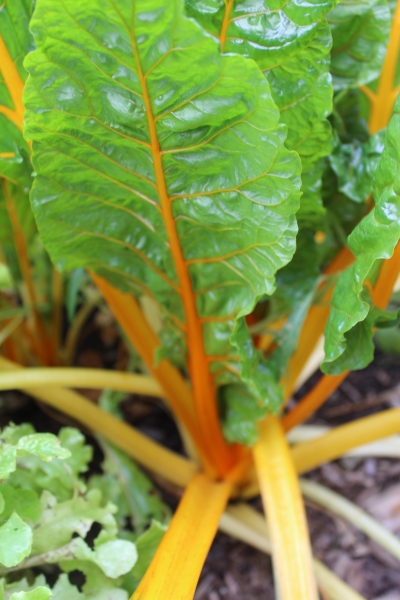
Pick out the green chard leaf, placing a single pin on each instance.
(355, 165)
(291, 44)
(349, 331)
(172, 187)
(360, 31)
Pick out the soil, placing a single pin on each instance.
(233, 570)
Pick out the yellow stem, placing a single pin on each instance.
(145, 341)
(155, 457)
(340, 440)
(175, 569)
(383, 101)
(14, 85)
(244, 523)
(285, 512)
(80, 378)
(349, 511)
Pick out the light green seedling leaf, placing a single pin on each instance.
(124, 484)
(116, 557)
(97, 585)
(23, 501)
(348, 334)
(8, 460)
(45, 446)
(15, 541)
(80, 453)
(40, 593)
(59, 521)
(59, 476)
(64, 590)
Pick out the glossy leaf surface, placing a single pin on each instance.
(174, 187)
(360, 33)
(291, 45)
(355, 165)
(349, 329)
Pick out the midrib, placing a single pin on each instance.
(204, 392)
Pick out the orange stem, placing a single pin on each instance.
(313, 400)
(145, 341)
(44, 350)
(383, 101)
(204, 391)
(225, 23)
(14, 84)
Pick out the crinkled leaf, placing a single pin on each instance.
(17, 441)
(45, 446)
(114, 557)
(64, 590)
(59, 521)
(124, 484)
(291, 45)
(60, 477)
(375, 238)
(15, 541)
(240, 414)
(360, 31)
(193, 204)
(80, 453)
(8, 460)
(97, 585)
(355, 165)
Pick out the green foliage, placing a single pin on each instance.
(92, 155)
(360, 32)
(349, 329)
(47, 511)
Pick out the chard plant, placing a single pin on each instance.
(228, 174)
